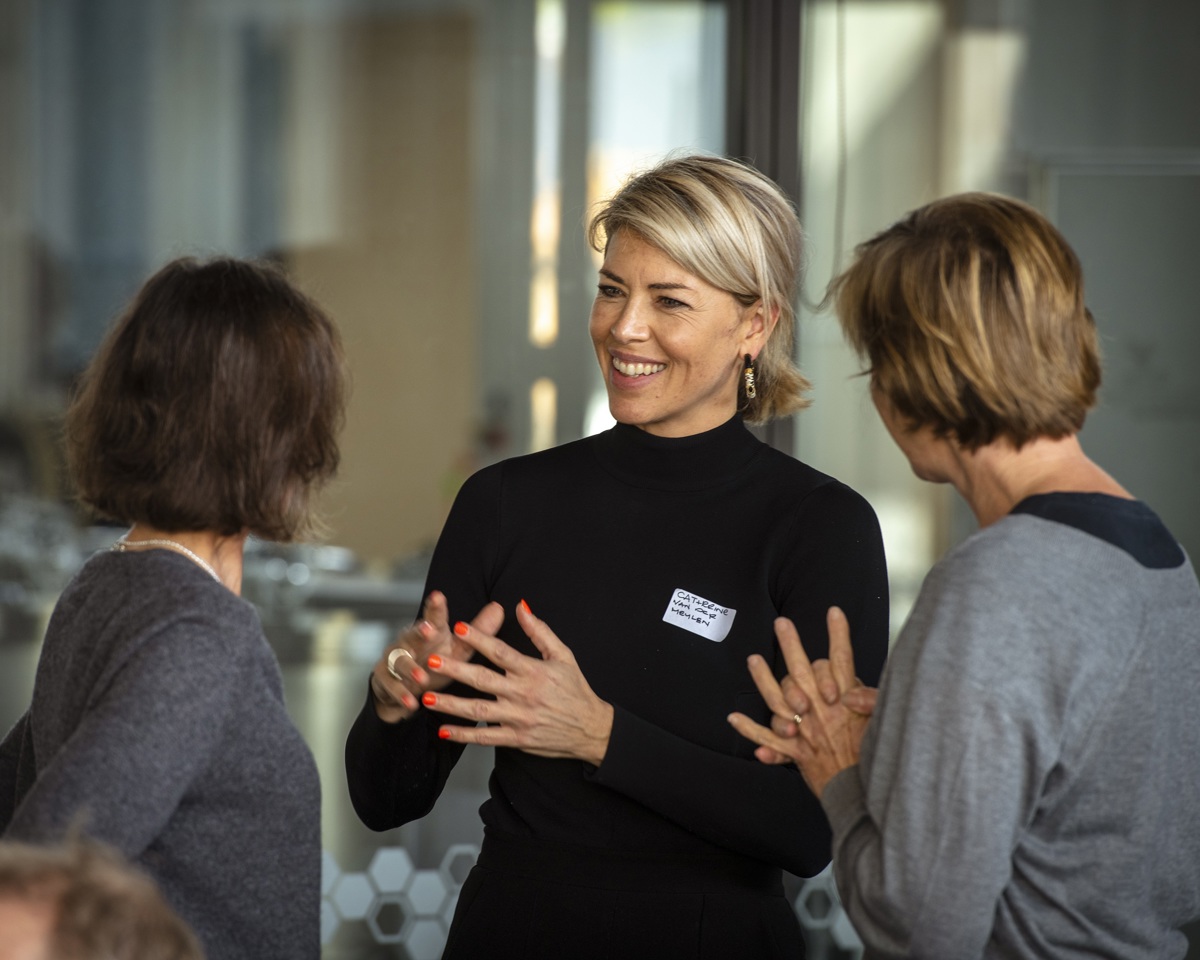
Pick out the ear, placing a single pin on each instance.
(758, 327)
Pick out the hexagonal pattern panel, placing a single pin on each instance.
(330, 921)
(413, 908)
(353, 896)
(844, 934)
(448, 908)
(391, 869)
(399, 904)
(427, 892)
(457, 863)
(330, 871)
(426, 940)
(814, 907)
(390, 918)
(819, 907)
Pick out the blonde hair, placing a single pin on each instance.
(971, 314)
(729, 225)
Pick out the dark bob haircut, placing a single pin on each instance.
(214, 403)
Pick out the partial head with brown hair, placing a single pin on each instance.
(970, 312)
(729, 225)
(214, 403)
(81, 901)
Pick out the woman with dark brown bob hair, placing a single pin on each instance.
(210, 412)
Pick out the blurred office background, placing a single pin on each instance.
(424, 169)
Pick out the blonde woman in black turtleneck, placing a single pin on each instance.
(619, 584)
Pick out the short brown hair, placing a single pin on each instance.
(971, 314)
(100, 907)
(731, 226)
(214, 403)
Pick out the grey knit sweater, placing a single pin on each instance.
(158, 716)
(1030, 783)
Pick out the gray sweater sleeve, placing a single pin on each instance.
(12, 787)
(925, 826)
(148, 729)
(1027, 787)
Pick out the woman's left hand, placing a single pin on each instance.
(543, 706)
(812, 724)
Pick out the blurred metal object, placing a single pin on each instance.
(296, 587)
(39, 553)
(288, 581)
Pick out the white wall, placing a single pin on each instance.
(1084, 107)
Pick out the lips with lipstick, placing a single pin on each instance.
(637, 369)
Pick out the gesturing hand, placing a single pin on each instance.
(396, 688)
(827, 737)
(543, 705)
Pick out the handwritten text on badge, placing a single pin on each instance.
(700, 616)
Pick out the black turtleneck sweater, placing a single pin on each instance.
(639, 552)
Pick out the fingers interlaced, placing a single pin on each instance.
(800, 669)
(782, 748)
(826, 683)
(793, 651)
(795, 700)
(841, 654)
(768, 686)
(435, 610)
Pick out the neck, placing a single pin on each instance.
(996, 477)
(222, 553)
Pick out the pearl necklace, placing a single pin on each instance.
(122, 545)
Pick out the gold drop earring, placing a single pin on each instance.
(748, 378)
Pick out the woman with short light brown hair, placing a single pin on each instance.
(971, 317)
(1027, 785)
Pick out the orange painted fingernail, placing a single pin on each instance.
(435, 662)
(429, 699)
(524, 606)
(461, 629)
(444, 733)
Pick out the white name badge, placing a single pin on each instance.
(700, 616)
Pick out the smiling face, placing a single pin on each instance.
(670, 345)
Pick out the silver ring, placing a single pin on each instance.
(394, 656)
(797, 719)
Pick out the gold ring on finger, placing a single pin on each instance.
(797, 719)
(393, 657)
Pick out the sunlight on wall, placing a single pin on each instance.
(986, 66)
(886, 46)
(543, 406)
(681, 45)
(870, 141)
(550, 34)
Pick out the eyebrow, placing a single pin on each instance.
(666, 285)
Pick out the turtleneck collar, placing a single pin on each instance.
(697, 462)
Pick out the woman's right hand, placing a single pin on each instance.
(819, 732)
(397, 695)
